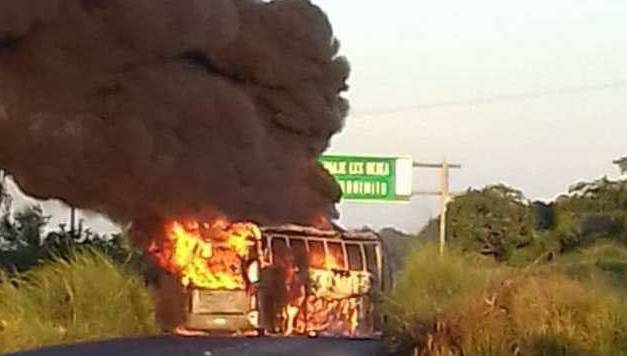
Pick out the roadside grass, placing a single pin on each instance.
(604, 261)
(431, 284)
(441, 305)
(452, 304)
(87, 297)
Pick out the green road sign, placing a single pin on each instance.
(383, 179)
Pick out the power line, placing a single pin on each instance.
(498, 98)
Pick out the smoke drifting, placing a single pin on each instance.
(170, 108)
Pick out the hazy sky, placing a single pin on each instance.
(419, 53)
(429, 53)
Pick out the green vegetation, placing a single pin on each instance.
(27, 241)
(84, 297)
(430, 284)
(591, 211)
(519, 277)
(458, 304)
(61, 286)
(396, 246)
(494, 221)
(500, 222)
(622, 164)
(605, 261)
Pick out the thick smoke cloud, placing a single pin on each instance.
(169, 108)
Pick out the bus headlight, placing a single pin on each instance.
(253, 272)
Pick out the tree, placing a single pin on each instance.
(544, 215)
(19, 228)
(396, 245)
(30, 223)
(493, 221)
(7, 227)
(622, 164)
(591, 211)
(24, 241)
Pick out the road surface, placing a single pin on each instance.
(212, 346)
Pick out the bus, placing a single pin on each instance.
(298, 280)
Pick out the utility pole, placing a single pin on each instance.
(444, 193)
(444, 198)
(72, 221)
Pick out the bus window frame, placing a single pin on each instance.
(376, 248)
(344, 257)
(374, 258)
(324, 245)
(271, 243)
(347, 266)
(362, 256)
(305, 243)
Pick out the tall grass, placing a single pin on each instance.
(604, 261)
(452, 305)
(431, 284)
(87, 297)
(548, 314)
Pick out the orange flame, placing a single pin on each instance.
(321, 314)
(212, 255)
(332, 316)
(331, 261)
(206, 255)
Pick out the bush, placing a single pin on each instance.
(396, 247)
(431, 284)
(591, 211)
(494, 221)
(452, 305)
(540, 314)
(87, 297)
(604, 261)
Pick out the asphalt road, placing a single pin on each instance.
(213, 346)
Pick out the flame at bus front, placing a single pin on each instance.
(206, 255)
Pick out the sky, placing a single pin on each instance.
(414, 63)
(432, 54)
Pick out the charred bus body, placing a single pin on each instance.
(298, 281)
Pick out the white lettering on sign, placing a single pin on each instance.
(336, 167)
(377, 169)
(356, 168)
(356, 188)
(371, 178)
(373, 169)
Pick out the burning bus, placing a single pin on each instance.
(243, 279)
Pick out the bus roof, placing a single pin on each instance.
(338, 233)
(300, 230)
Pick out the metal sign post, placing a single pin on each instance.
(386, 179)
(444, 193)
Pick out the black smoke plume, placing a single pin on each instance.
(171, 108)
